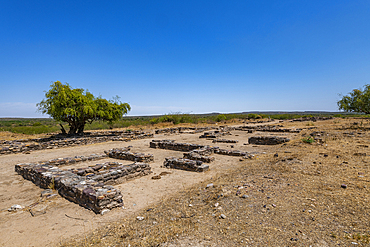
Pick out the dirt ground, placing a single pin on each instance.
(287, 195)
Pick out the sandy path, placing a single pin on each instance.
(22, 229)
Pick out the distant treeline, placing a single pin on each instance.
(48, 125)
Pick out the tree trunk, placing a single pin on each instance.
(81, 128)
(72, 129)
(63, 130)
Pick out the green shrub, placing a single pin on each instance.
(308, 139)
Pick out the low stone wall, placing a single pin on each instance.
(172, 145)
(313, 119)
(9, 147)
(267, 140)
(73, 160)
(267, 128)
(124, 154)
(206, 150)
(86, 192)
(224, 141)
(195, 156)
(213, 134)
(229, 152)
(113, 172)
(200, 149)
(178, 130)
(185, 164)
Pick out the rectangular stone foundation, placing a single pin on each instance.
(200, 149)
(86, 186)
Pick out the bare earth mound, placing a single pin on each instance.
(290, 194)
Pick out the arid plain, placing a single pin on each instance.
(292, 194)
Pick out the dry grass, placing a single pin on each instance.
(295, 199)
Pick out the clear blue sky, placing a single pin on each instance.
(185, 56)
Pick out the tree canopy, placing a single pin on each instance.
(356, 101)
(78, 107)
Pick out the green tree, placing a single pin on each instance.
(78, 107)
(356, 101)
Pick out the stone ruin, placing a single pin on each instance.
(267, 140)
(214, 134)
(59, 141)
(196, 156)
(124, 154)
(185, 164)
(194, 152)
(90, 186)
(224, 141)
(267, 128)
(179, 130)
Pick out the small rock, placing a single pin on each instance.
(157, 177)
(46, 192)
(209, 185)
(104, 211)
(217, 204)
(276, 155)
(222, 216)
(273, 205)
(344, 186)
(245, 196)
(15, 207)
(190, 205)
(51, 196)
(139, 218)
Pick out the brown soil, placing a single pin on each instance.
(295, 199)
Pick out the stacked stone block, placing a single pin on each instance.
(224, 141)
(86, 192)
(267, 128)
(195, 156)
(123, 154)
(172, 145)
(267, 140)
(9, 147)
(185, 164)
